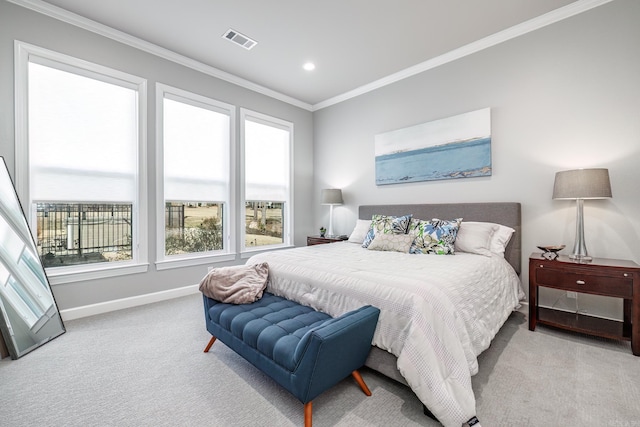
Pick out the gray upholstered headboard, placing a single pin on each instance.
(505, 213)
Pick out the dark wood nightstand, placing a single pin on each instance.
(317, 240)
(601, 276)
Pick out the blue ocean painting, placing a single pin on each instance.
(456, 147)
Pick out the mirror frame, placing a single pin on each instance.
(29, 315)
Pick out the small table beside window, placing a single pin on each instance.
(317, 240)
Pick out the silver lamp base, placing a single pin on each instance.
(580, 258)
(580, 248)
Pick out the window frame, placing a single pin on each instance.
(164, 261)
(288, 213)
(25, 53)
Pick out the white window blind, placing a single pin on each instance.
(83, 138)
(267, 163)
(81, 164)
(196, 152)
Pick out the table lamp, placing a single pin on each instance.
(331, 197)
(580, 184)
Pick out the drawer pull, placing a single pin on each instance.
(626, 275)
(580, 282)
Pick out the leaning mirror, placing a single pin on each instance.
(30, 316)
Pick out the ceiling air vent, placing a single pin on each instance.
(239, 39)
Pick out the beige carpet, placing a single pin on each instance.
(145, 367)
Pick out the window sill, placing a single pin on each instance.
(193, 261)
(82, 273)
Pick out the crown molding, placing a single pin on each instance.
(541, 21)
(127, 39)
(471, 48)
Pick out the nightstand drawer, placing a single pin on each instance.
(588, 283)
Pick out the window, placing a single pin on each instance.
(266, 148)
(80, 154)
(79, 233)
(195, 141)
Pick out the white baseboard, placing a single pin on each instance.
(119, 304)
(524, 307)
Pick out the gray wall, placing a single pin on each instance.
(562, 97)
(17, 23)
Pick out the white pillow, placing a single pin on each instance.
(472, 238)
(360, 231)
(475, 237)
(500, 239)
(391, 242)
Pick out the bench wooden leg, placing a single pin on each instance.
(356, 375)
(308, 409)
(213, 339)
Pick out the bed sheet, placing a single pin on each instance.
(437, 312)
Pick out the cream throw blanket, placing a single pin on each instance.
(238, 284)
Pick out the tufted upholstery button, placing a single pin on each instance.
(272, 325)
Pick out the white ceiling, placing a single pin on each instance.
(354, 43)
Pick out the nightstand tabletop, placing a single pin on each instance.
(603, 262)
(317, 240)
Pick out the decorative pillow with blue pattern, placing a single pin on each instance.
(386, 224)
(436, 236)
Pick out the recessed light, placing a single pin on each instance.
(309, 66)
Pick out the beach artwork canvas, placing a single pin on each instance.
(454, 147)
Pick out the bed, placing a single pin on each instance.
(438, 312)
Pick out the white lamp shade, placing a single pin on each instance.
(582, 184)
(331, 196)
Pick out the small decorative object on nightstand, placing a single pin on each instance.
(320, 240)
(323, 231)
(551, 252)
(607, 277)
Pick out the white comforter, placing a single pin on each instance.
(437, 312)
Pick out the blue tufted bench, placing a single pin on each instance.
(303, 350)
